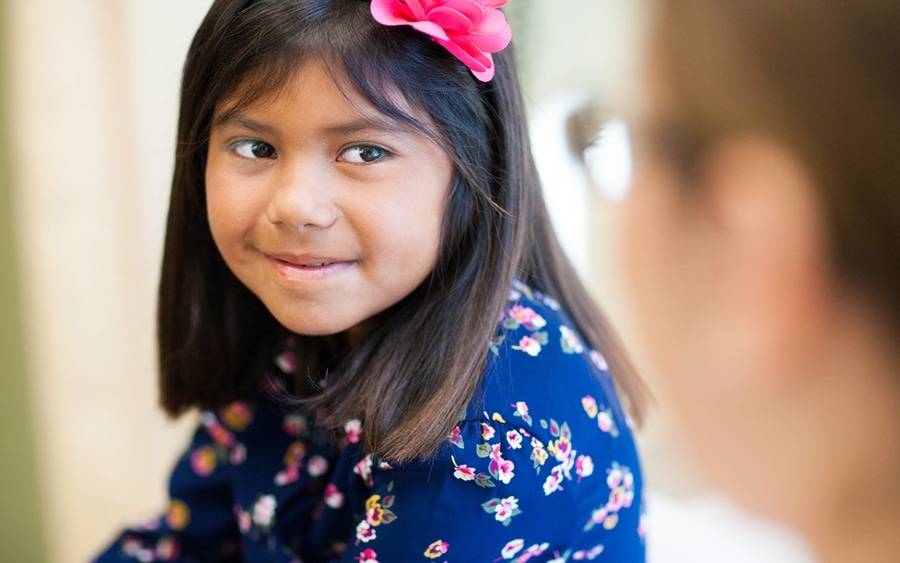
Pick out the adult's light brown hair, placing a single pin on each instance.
(760, 240)
(823, 77)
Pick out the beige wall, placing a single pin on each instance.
(21, 525)
(93, 94)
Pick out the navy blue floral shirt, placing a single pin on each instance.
(542, 467)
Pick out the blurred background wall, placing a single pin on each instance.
(21, 525)
(90, 92)
(92, 89)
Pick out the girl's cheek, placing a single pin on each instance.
(231, 211)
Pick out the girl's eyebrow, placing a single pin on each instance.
(345, 128)
(229, 118)
(364, 124)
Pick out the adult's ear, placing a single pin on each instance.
(773, 246)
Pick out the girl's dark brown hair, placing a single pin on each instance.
(423, 359)
(821, 77)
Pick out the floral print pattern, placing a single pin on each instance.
(436, 549)
(502, 509)
(541, 467)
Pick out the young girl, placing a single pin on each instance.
(761, 247)
(361, 291)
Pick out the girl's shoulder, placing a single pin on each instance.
(544, 447)
(541, 373)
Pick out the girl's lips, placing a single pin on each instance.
(304, 270)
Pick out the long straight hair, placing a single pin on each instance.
(422, 362)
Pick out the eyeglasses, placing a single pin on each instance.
(610, 158)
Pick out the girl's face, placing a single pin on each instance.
(326, 210)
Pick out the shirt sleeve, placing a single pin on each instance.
(199, 523)
(491, 496)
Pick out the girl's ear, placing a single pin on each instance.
(772, 249)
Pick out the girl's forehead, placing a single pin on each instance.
(314, 89)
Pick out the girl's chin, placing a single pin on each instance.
(304, 324)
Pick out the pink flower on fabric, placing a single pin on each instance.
(456, 437)
(353, 428)
(615, 477)
(506, 509)
(203, 461)
(522, 411)
(512, 548)
(436, 549)
(464, 473)
(470, 29)
(364, 532)
(584, 466)
(590, 405)
(287, 476)
(527, 317)
(238, 454)
(364, 469)
(333, 497)
(218, 432)
(294, 424)
(487, 432)
(167, 549)
(606, 422)
(317, 466)
(243, 519)
(500, 468)
(514, 439)
(264, 510)
(553, 482)
(367, 556)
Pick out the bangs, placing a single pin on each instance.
(402, 75)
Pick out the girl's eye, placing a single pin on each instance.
(363, 154)
(254, 150)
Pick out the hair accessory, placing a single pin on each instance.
(470, 29)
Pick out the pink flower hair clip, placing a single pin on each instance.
(470, 29)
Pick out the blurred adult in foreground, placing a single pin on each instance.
(759, 244)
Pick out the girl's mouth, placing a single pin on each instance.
(304, 268)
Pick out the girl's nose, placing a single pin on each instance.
(301, 200)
